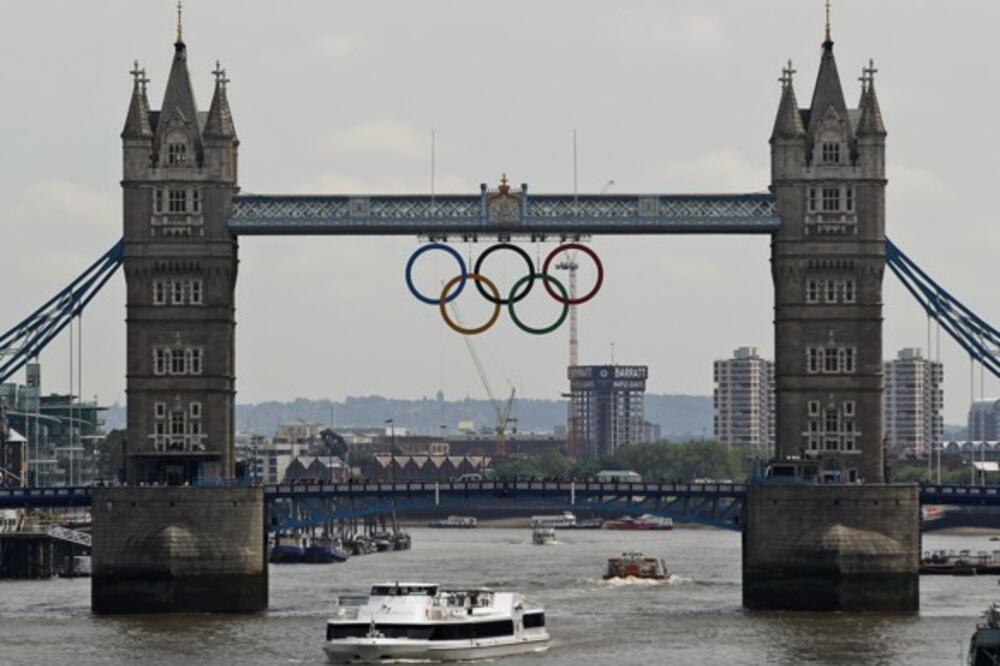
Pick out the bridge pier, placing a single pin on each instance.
(178, 549)
(832, 548)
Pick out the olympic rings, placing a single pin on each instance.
(597, 263)
(478, 279)
(527, 260)
(489, 290)
(461, 278)
(546, 278)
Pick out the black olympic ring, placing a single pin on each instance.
(531, 272)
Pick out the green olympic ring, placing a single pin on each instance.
(546, 278)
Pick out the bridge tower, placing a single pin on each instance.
(837, 544)
(828, 259)
(180, 267)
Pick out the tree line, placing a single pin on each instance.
(661, 460)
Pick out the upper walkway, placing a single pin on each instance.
(515, 213)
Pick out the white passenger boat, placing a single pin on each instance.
(407, 621)
(564, 519)
(542, 536)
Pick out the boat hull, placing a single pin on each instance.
(377, 650)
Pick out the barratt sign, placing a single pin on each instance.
(584, 377)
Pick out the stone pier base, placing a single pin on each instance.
(178, 549)
(832, 548)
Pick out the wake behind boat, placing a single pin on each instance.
(421, 621)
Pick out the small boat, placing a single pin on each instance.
(287, 550)
(401, 541)
(961, 563)
(459, 522)
(636, 565)
(542, 536)
(984, 646)
(324, 553)
(564, 519)
(421, 621)
(645, 522)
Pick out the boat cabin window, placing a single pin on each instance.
(404, 590)
(532, 620)
(427, 632)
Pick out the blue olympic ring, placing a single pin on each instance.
(409, 269)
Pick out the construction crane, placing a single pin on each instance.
(502, 411)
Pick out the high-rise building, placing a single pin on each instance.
(984, 420)
(608, 406)
(744, 401)
(913, 401)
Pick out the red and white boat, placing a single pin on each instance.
(644, 522)
(636, 565)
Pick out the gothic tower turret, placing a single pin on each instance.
(828, 176)
(180, 268)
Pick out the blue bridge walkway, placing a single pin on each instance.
(719, 505)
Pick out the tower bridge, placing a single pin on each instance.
(854, 540)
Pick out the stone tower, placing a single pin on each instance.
(180, 269)
(828, 175)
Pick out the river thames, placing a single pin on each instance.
(695, 618)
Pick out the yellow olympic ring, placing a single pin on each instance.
(443, 301)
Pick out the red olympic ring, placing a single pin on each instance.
(597, 263)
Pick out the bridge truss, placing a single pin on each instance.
(506, 215)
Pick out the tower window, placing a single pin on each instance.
(812, 199)
(160, 292)
(849, 199)
(812, 291)
(196, 201)
(178, 201)
(160, 410)
(831, 153)
(158, 201)
(194, 292)
(177, 363)
(831, 291)
(831, 199)
(176, 153)
(160, 361)
(849, 291)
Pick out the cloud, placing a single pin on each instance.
(339, 182)
(58, 202)
(383, 137)
(335, 45)
(913, 183)
(643, 29)
(719, 170)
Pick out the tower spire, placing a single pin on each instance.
(180, 23)
(828, 38)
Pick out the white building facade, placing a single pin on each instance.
(913, 402)
(744, 402)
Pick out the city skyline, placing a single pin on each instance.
(64, 196)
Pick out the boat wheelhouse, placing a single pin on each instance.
(422, 621)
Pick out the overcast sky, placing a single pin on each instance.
(341, 97)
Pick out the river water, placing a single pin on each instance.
(693, 619)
